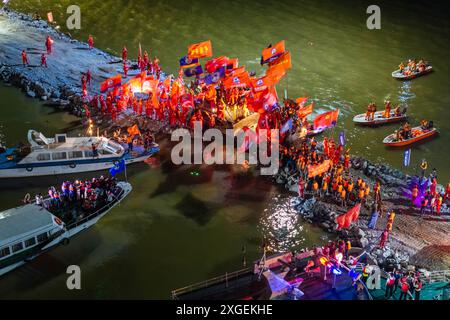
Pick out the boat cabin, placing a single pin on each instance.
(69, 149)
(25, 230)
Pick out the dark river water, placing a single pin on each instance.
(176, 228)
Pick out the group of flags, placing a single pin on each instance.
(344, 220)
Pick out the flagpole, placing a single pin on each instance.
(125, 171)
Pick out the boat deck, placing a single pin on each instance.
(245, 285)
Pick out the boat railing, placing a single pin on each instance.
(206, 283)
(91, 216)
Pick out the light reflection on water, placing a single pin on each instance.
(281, 226)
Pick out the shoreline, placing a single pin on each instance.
(59, 86)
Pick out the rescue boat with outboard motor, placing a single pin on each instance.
(379, 118)
(417, 134)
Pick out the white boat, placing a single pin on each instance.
(378, 119)
(30, 230)
(65, 155)
(397, 74)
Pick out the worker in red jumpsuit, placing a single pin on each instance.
(301, 188)
(88, 77)
(83, 86)
(124, 53)
(91, 41)
(384, 237)
(43, 60)
(24, 58)
(125, 68)
(48, 44)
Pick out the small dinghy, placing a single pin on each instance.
(378, 119)
(397, 74)
(417, 134)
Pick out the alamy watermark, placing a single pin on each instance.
(74, 20)
(251, 147)
(74, 279)
(374, 20)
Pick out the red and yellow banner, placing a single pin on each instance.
(200, 50)
(318, 169)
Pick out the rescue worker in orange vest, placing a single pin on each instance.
(324, 187)
(415, 193)
(391, 217)
(315, 187)
(350, 188)
(361, 194)
(344, 197)
(347, 161)
(367, 191)
(423, 167)
(439, 203)
(387, 109)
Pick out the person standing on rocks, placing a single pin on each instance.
(124, 54)
(125, 68)
(384, 237)
(373, 219)
(389, 286)
(423, 167)
(417, 284)
(48, 44)
(88, 77)
(404, 288)
(91, 42)
(24, 58)
(83, 86)
(43, 60)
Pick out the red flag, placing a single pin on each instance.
(149, 85)
(232, 63)
(272, 52)
(261, 84)
(276, 73)
(326, 119)
(236, 71)
(340, 220)
(200, 50)
(284, 60)
(216, 63)
(241, 80)
(354, 212)
(344, 220)
(303, 112)
(110, 82)
(301, 101)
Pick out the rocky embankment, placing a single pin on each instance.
(413, 235)
(58, 85)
